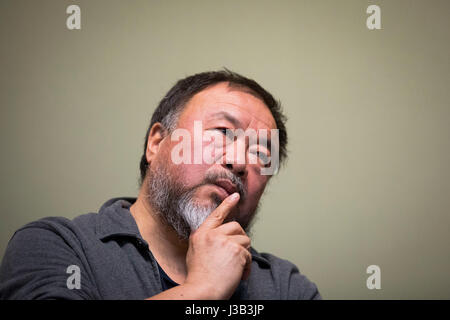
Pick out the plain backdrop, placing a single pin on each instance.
(367, 181)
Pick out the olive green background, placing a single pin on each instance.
(367, 180)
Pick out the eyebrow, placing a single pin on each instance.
(225, 115)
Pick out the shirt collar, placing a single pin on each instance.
(115, 219)
(256, 256)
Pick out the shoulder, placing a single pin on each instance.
(37, 256)
(61, 223)
(51, 237)
(55, 227)
(276, 278)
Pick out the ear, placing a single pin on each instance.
(155, 137)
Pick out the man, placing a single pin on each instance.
(186, 234)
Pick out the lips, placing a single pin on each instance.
(227, 185)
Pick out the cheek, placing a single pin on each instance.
(255, 188)
(189, 174)
(186, 174)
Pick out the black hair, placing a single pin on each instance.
(176, 99)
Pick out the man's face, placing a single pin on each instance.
(216, 108)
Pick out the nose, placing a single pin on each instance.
(236, 157)
(239, 170)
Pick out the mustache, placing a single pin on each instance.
(211, 177)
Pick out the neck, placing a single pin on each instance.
(166, 247)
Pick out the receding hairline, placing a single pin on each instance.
(233, 86)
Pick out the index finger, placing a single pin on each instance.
(217, 217)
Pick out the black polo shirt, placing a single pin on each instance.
(115, 262)
(166, 282)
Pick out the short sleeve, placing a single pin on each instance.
(301, 288)
(36, 266)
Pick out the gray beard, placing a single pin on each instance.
(176, 206)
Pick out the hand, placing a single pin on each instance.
(218, 256)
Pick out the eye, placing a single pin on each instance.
(260, 157)
(265, 159)
(226, 132)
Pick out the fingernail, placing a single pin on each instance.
(234, 196)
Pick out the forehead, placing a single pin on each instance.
(218, 100)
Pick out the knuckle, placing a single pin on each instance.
(217, 214)
(216, 219)
(246, 258)
(222, 241)
(235, 249)
(236, 226)
(209, 237)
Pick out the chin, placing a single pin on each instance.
(208, 200)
